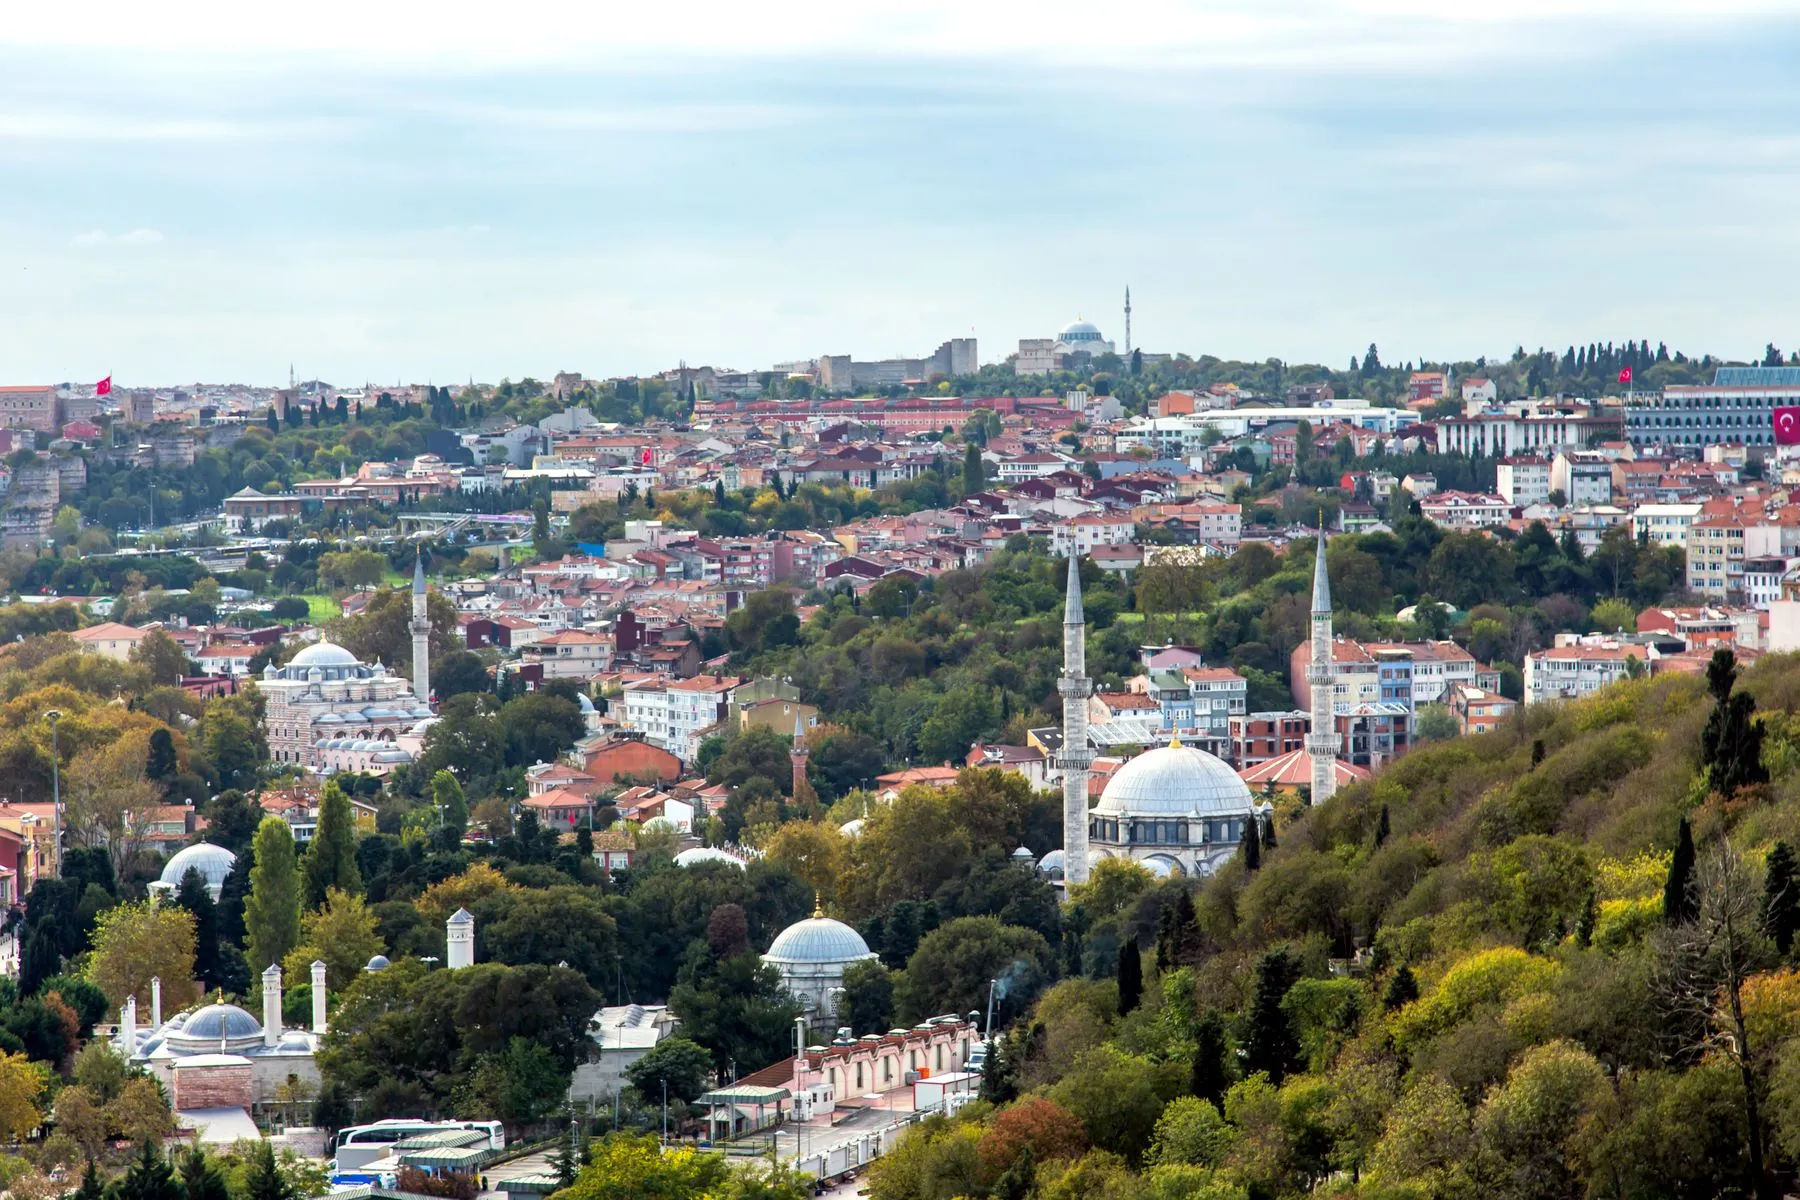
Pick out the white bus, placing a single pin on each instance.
(357, 1145)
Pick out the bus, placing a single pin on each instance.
(357, 1145)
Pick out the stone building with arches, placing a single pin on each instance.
(325, 699)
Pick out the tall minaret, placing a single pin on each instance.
(421, 634)
(1322, 742)
(1075, 758)
(1127, 322)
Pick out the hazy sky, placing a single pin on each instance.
(381, 192)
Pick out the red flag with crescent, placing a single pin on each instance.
(104, 387)
(1787, 426)
(1625, 375)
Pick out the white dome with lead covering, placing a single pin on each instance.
(1175, 781)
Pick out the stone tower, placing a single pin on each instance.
(421, 634)
(1322, 741)
(459, 939)
(1075, 758)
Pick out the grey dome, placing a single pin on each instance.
(213, 862)
(706, 854)
(324, 654)
(378, 963)
(1051, 865)
(1175, 781)
(217, 1021)
(818, 940)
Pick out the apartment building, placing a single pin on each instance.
(1580, 666)
(1465, 510)
(1664, 524)
(677, 714)
(1366, 672)
(1082, 534)
(1583, 477)
(1522, 482)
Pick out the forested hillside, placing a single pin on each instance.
(1555, 960)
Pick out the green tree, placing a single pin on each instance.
(1680, 903)
(162, 656)
(149, 1177)
(952, 968)
(331, 859)
(1270, 1045)
(458, 672)
(868, 1001)
(453, 809)
(737, 1009)
(160, 764)
(342, 934)
(201, 1178)
(1209, 1077)
(522, 1084)
(1131, 976)
(1781, 901)
(263, 1178)
(974, 470)
(1118, 1097)
(622, 1167)
(686, 1066)
(272, 909)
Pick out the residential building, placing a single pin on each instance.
(1465, 510)
(1664, 524)
(1478, 710)
(111, 639)
(1258, 737)
(1578, 666)
(1522, 482)
(1582, 477)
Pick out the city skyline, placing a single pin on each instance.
(492, 197)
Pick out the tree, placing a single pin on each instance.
(263, 1179)
(92, 1189)
(622, 1167)
(951, 969)
(232, 745)
(22, 1083)
(382, 631)
(272, 909)
(1436, 724)
(331, 859)
(974, 470)
(341, 933)
(1209, 1078)
(453, 808)
(150, 1177)
(458, 672)
(194, 896)
(1731, 746)
(161, 765)
(134, 943)
(1118, 1097)
(1781, 900)
(1402, 989)
(1040, 1128)
(1190, 1131)
(737, 1009)
(1269, 1043)
(684, 1065)
(162, 657)
(201, 1178)
(108, 800)
(1250, 848)
(868, 1000)
(1131, 976)
(522, 1084)
(1702, 967)
(1679, 901)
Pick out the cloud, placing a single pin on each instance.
(135, 237)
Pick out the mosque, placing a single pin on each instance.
(1077, 343)
(329, 711)
(1176, 809)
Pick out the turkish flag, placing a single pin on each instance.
(104, 387)
(1787, 426)
(647, 456)
(1625, 375)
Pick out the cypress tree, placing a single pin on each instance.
(201, 1178)
(1209, 1078)
(1402, 989)
(1131, 976)
(1680, 903)
(452, 806)
(1266, 827)
(719, 492)
(331, 859)
(1382, 828)
(160, 765)
(193, 896)
(263, 1181)
(272, 909)
(91, 1188)
(1781, 903)
(1589, 919)
(974, 472)
(150, 1177)
(1270, 1045)
(1250, 850)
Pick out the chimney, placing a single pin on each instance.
(318, 997)
(271, 983)
(155, 1004)
(128, 1027)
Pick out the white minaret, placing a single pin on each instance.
(1322, 742)
(421, 634)
(128, 1028)
(271, 981)
(459, 939)
(155, 1003)
(318, 997)
(1075, 758)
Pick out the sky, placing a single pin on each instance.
(372, 191)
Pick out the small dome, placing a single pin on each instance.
(324, 654)
(1175, 781)
(213, 862)
(378, 963)
(851, 829)
(583, 703)
(706, 854)
(328, 718)
(1023, 855)
(818, 940)
(1051, 865)
(220, 1021)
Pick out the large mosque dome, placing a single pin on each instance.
(1080, 331)
(1175, 781)
(323, 654)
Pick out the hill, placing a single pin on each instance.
(1555, 960)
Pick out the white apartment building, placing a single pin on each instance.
(1465, 510)
(1579, 666)
(1081, 534)
(1664, 524)
(677, 714)
(1522, 482)
(1582, 477)
(572, 654)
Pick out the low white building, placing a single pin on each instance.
(622, 1034)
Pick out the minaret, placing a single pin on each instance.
(421, 634)
(459, 940)
(797, 756)
(1075, 758)
(1322, 742)
(1127, 322)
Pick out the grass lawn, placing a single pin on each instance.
(324, 608)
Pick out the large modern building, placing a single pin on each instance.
(1737, 407)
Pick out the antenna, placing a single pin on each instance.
(1128, 321)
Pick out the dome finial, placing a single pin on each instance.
(1175, 739)
(818, 904)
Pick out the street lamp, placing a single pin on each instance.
(56, 793)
